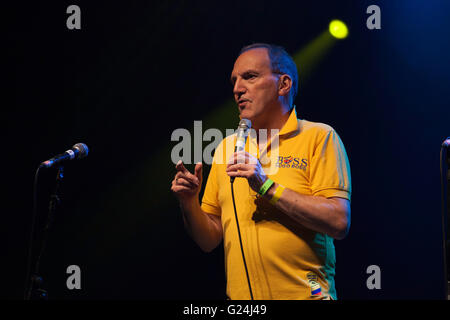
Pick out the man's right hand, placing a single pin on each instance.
(204, 228)
(186, 186)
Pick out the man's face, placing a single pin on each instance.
(255, 87)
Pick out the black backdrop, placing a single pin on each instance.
(136, 71)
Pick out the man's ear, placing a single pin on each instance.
(284, 85)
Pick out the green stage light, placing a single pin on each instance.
(338, 29)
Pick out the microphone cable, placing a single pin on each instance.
(240, 239)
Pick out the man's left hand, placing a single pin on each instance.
(243, 164)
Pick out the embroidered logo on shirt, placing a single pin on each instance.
(316, 290)
(291, 162)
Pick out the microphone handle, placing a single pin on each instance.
(237, 148)
(68, 155)
(241, 139)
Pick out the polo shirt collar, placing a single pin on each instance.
(291, 124)
(289, 127)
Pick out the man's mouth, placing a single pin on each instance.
(242, 103)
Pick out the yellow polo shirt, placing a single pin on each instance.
(284, 260)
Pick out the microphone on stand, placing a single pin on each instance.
(33, 281)
(78, 151)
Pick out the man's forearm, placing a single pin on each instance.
(330, 216)
(200, 226)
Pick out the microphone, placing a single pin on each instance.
(446, 143)
(242, 133)
(78, 151)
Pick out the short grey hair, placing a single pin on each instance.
(281, 63)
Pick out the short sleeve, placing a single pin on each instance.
(330, 168)
(210, 201)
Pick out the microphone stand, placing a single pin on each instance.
(35, 290)
(445, 197)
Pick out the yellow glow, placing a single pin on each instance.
(338, 29)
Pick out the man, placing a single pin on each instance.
(287, 219)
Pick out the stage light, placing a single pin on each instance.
(338, 29)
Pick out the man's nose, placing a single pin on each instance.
(239, 88)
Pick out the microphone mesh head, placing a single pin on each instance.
(84, 150)
(245, 123)
(446, 142)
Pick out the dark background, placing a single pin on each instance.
(136, 71)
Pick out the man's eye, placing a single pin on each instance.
(249, 76)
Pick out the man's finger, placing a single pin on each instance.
(186, 183)
(236, 156)
(236, 167)
(198, 171)
(237, 170)
(180, 167)
(247, 157)
(189, 177)
(185, 173)
(242, 157)
(179, 189)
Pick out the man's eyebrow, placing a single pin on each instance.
(247, 72)
(250, 71)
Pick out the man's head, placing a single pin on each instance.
(281, 63)
(264, 77)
